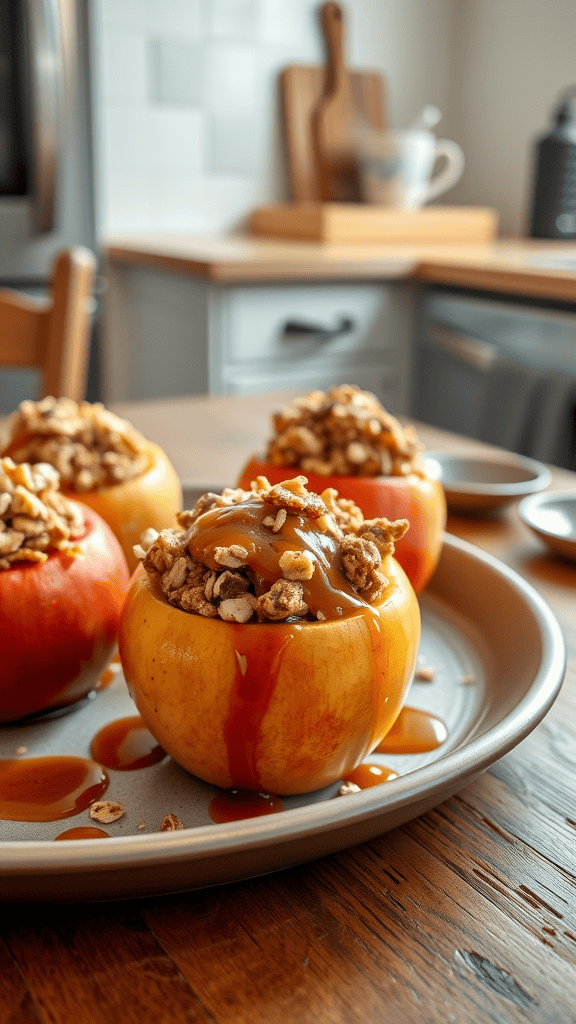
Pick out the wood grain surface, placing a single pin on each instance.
(322, 107)
(466, 914)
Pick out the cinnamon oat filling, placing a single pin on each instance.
(343, 432)
(35, 517)
(273, 553)
(89, 445)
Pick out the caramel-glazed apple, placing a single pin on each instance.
(345, 439)
(270, 644)
(63, 580)
(102, 461)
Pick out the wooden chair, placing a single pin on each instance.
(53, 334)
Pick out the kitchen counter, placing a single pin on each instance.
(527, 267)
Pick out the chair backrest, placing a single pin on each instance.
(53, 334)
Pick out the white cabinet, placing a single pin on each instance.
(168, 334)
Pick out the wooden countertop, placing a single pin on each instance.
(515, 267)
(465, 914)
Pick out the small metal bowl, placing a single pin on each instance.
(552, 517)
(473, 484)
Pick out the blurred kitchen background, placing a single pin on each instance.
(173, 130)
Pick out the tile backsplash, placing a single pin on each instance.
(189, 134)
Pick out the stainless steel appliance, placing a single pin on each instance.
(47, 193)
(498, 371)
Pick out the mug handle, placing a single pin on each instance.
(451, 173)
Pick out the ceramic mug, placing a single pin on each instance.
(396, 168)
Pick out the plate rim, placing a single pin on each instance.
(533, 501)
(540, 480)
(191, 844)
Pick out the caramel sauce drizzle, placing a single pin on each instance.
(83, 832)
(328, 591)
(49, 788)
(126, 745)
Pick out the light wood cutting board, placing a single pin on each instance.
(320, 105)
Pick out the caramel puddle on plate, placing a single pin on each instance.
(83, 832)
(367, 775)
(414, 732)
(126, 745)
(237, 804)
(49, 788)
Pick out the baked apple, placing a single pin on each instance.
(63, 580)
(344, 439)
(269, 644)
(102, 461)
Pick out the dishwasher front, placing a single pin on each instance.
(499, 372)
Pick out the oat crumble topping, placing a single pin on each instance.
(343, 432)
(214, 580)
(35, 518)
(88, 445)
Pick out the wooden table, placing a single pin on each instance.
(467, 914)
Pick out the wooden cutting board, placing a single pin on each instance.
(320, 107)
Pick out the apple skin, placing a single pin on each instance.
(59, 622)
(149, 500)
(273, 707)
(420, 500)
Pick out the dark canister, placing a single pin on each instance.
(553, 197)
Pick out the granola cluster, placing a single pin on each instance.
(222, 582)
(343, 432)
(35, 517)
(89, 445)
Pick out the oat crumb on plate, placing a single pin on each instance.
(21, 750)
(106, 811)
(467, 680)
(348, 787)
(171, 823)
(425, 673)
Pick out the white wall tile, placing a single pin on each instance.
(231, 77)
(124, 65)
(209, 203)
(176, 71)
(292, 24)
(236, 145)
(127, 142)
(128, 204)
(125, 13)
(176, 140)
(175, 18)
(232, 19)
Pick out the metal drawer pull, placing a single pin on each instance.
(480, 354)
(299, 329)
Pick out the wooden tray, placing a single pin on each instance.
(361, 222)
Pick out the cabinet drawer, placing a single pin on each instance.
(284, 324)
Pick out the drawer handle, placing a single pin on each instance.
(299, 329)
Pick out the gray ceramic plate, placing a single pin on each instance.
(552, 517)
(482, 484)
(490, 689)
